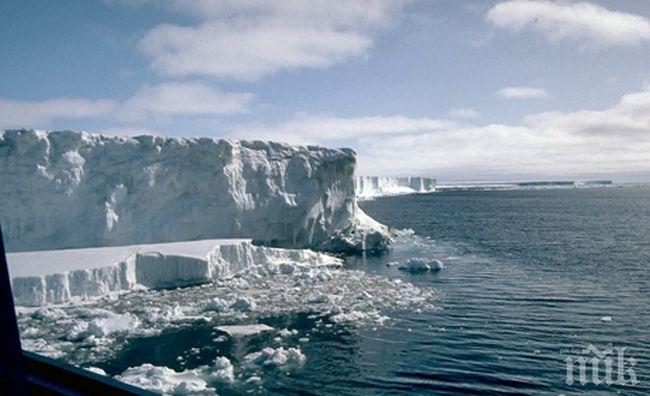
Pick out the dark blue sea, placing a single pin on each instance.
(532, 278)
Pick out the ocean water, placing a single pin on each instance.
(531, 278)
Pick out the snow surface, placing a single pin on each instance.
(58, 261)
(74, 189)
(369, 187)
(93, 272)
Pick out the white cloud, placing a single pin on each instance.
(464, 112)
(187, 99)
(584, 23)
(18, 113)
(162, 101)
(251, 39)
(522, 92)
(321, 129)
(629, 119)
(616, 139)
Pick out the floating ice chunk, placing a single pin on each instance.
(168, 314)
(290, 357)
(246, 304)
(96, 370)
(245, 330)
(421, 265)
(112, 324)
(222, 370)
(102, 327)
(165, 380)
(351, 317)
(606, 319)
(30, 332)
(50, 314)
(287, 332)
(216, 304)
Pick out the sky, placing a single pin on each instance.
(457, 90)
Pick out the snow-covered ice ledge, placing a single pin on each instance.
(61, 276)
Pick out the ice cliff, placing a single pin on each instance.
(61, 276)
(74, 189)
(377, 186)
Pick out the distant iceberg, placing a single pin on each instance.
(368, 187)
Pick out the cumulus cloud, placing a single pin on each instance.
(586, 24)
(629, 119)
(165, 100)
(246, 40)
(522, 92)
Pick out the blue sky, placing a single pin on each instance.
(459, 90)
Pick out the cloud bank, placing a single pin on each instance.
(616, 139)
(165, 100)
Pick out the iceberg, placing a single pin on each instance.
(71, 189)
(61, 276)
(369, 187)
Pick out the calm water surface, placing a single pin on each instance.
(529, 276)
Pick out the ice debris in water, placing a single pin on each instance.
(332, 294)
(244, 330)
(342, 296)
(104, 326)
(168, 381)
(165, 380)
(96, 370)
(417, 264)
(244, 304)
(290, 357)
(287, 332)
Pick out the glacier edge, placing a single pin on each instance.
(71, 189)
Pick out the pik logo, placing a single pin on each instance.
(607, 366)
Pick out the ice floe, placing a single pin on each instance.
(290, 357)
(96, 272)
(244, 330)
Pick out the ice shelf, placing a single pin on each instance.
(60, 276)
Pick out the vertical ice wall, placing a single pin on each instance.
(375, 186)
(72, 189)
(150, 266)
